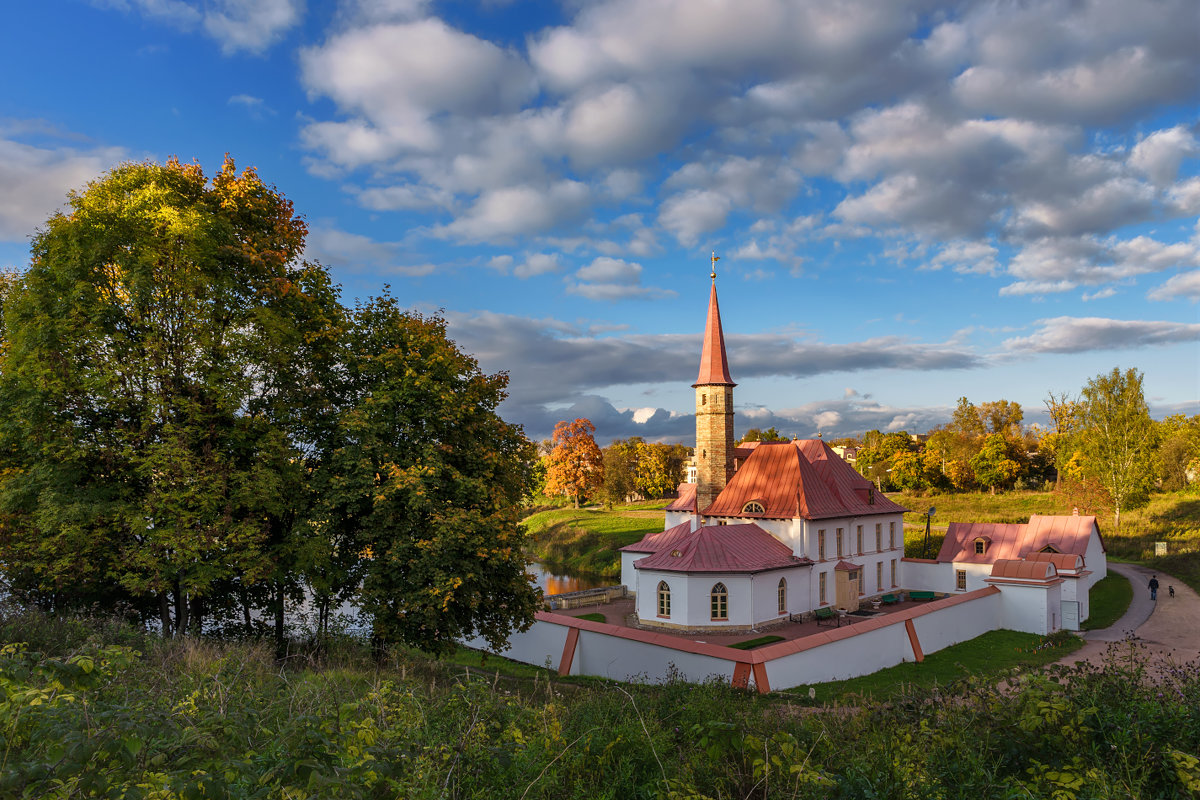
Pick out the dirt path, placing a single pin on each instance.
(1168, 629)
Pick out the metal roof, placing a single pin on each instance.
(802, 478)
(1017, 540)
(714, 367)
(1024, 570)
(721, 548)
(686, 500)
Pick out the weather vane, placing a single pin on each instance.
(715, 259)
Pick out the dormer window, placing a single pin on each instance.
(1049, 549)
(753, 507)
(981, 545)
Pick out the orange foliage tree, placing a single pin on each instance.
(576, 465)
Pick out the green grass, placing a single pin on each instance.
(586, 540)
(750, 644)
(192, 717)
(595, 616)
(989, 656)
(1108, 601)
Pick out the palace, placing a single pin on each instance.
(771, 531)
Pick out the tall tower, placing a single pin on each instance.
(714, 408)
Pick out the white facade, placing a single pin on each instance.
(750, 599)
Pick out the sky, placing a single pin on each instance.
(912, 201)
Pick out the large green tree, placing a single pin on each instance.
(149, 346)
(191, 422)
(426, 481)
(1118, 438)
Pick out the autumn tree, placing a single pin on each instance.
(769, 435)
(993, 465)
(576, 466)
(620, 469)
(1118, 438)
(1179, 453)
(427, 479)
(152, 346)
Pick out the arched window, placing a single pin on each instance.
(753, 507)
(783, 595)
(664, 599)
(720, 602)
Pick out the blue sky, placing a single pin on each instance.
(913, 201)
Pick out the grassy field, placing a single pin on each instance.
(586, 540)
(1109, 599)
(990, 657)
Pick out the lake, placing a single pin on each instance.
(553, 583)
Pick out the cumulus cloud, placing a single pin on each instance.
(237, 25)
(1083, 334)
(1185, 286)
(1058, 264)
(35, 179)
(344, 250)
(609, 278)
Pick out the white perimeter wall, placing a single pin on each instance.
(628, 659)
(846, 652)
(1032, 608)
(883, 647)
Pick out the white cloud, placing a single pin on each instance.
(1160, 154)
(1184, 286)
(693, 213)
(1083, 334)
(251, 25)
(517, 210)
(237, 25)
(537, 264)
(34, 181)
(338, 249)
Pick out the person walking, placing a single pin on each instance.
(1153, 587)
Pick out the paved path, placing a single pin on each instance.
(1168, 628)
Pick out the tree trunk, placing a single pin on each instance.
(196, 615)
(181, 610)
(164, 614)
(1117, 519)
(246, 611)
(280, 649)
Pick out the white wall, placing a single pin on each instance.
(1096, 561)
(958, 623)
(926, 577)
(629, 575)
(753, 599)
(846, 652)
(1032, 608)
(541, 645)
(628, 659)
(847, 657)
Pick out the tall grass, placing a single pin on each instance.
(201, 719)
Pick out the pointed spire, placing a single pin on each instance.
(714, 367)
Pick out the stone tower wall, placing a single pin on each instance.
(714, 442)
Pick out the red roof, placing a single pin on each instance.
(720, 548)
(799, 479)
(1024, 570)
(714, 367)
(686, 501)
(846, 566)
(653, 542)
(1017, 540)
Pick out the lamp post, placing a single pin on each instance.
(928, 519)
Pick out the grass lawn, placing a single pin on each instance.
(989, 656)
(750, 644)
(587, 540)
(1109, 599)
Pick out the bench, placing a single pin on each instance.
(889, 599)
(827, 616)
(922, 595)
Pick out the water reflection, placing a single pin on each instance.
(561, 584)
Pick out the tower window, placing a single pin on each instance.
(704, 399)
